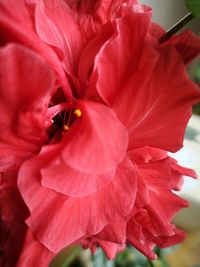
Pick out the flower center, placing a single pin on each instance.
(62, 122)
(77, 113)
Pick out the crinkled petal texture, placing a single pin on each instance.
(187, 44)
(94, 14)
(151, 221)
(147, 76)
(77, 217)
(148, 224)
(24, 101)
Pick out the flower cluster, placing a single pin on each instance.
(90, 104)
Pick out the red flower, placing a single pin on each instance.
(88, 118)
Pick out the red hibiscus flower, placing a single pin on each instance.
(90, 103)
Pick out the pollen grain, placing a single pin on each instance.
(78, 112)
(65, 127)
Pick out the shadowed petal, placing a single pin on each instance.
(34, 253)
(24, 101)
(187, 44)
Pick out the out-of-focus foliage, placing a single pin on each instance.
(194, 7)
(128, 258)
(196, 108)
(197, 74)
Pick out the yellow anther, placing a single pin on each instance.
(78, 112)
(65, 127)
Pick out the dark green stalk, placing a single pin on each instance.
(150, 263)
(71, 257)
(178, 26)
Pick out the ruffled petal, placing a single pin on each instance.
(163, 204)
(142, 234)
(139, 240)
(119, 57)
(178, 173)
(114, 232)
(162, 99)
(166, 241)
(110, 249)
(78, 217)
(187, 44)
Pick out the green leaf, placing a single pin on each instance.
(194, 7)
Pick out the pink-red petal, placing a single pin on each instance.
(119, 57)
(187, 44)
(97, 142)
(34, 253)
(77, 217)
(16, 25)
(56, 24)
(162, 99)
(24, 100)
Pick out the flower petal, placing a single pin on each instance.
(163, 204)
(119, 58)
(97, 132)
(187, 44)
(114, 232)
(56, 24)
(17, 26)
(23, 103)
(162, 99)
(178, 173)
(110, 249)
(34, 253)
(167, 241)
(138, 239)
(77, 217)
(58, 176)
(88, 55)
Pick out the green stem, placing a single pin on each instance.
(71, 257)
(178, 26)
(151, 263)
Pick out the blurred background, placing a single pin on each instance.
(187, 254)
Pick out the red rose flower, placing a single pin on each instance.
(87, 118)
